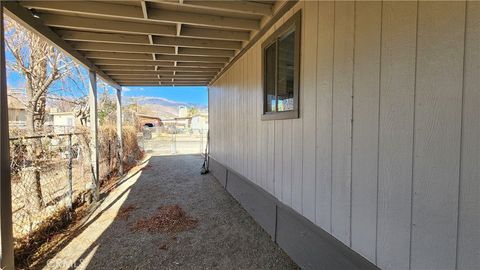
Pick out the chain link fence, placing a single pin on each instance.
(53, 173)
(48, 174)
(174, 140)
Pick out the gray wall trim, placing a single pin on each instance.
(311, 247)
(259, 204)
(219, 171)
(307, 244)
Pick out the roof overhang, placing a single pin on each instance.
(151, 43)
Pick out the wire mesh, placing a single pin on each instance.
(50, 172)
(40, 183)
(174, 140)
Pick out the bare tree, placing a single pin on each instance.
(41, 65)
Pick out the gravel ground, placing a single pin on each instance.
(226, 236)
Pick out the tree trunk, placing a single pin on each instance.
(35, 151)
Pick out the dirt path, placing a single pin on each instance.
(226, 237)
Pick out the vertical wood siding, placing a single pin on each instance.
(366, 95)
(325, 45)
(342, 120)
(385, 153)
(438, 106)
(468, 253)
(397, 88)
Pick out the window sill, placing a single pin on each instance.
(280, 115)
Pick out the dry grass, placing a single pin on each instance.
(169, 218)
(33, 250)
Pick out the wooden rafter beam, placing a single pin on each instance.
(109, 47)
(147, 57)
(142, 39)
(108, 10)
(135, 63)
(139, 28)
(189, 58)
(160, 70)
(163, 81)
(110, 68)
(139, 73)
(136, 78)
(152, 68)
(102, 37)
(116, 55)
(197, 42)
(205, 52)
(233, 6)
(102, 25)
(203, 19)
(179, 29)
(187, 84)
(188, 80)
(200, 64)
(145, 16)
(144, 9)
(25, 17)
(190, 31)
(133, 48)
(112, 10)
(188, 73)
(140, 84)
(164, 84)
(157, 63)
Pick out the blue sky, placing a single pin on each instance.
(194, 94)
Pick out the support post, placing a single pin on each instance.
(119, 130)
(70, 175)
(6, 231)
(94, 134)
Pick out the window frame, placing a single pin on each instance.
(293, 24)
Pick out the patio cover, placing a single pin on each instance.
(151, 43)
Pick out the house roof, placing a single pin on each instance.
(15, 103)
(61, 113)
(171, 42)
(140, 115)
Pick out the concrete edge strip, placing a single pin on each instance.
(307, 244)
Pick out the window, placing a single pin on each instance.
(281, 66)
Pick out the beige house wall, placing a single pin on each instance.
(385, 153)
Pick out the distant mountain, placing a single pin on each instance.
(158, 101)
(162, 107)
(164, 102)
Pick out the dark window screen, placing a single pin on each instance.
(270, 66)
(286, 65)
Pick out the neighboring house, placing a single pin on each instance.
(182, 111)
(183, 122)
(16, 113)
(63, 122)
(149, 120)
(177, 124)
(199, 122)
